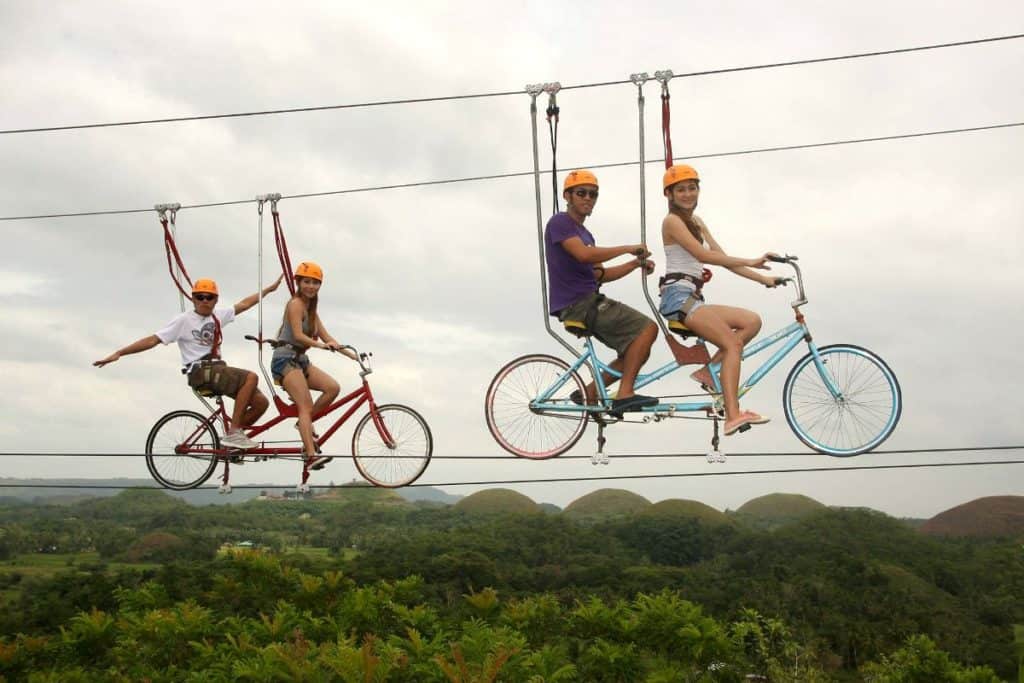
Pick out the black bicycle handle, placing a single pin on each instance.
(274, 343)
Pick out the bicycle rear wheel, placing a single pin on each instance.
(522, 430)
(405, 460)
(861, 418)
(168, 449)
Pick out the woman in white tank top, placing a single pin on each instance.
(688, 246)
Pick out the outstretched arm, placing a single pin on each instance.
(674, 227)
(250, 301)
(594, 255)
(144, 344)
(622, 270)
(742, 271)
(332, 343)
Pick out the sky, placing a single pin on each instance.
(910, 247)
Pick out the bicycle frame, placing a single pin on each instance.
(790, 336)
(285, 411)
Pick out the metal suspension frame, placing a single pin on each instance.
(638, 80)
(679, 351)
(262, 199)
(534, 90)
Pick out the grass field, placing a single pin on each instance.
(48, 564)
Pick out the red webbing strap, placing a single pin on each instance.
(172, 250)
(282, 251)
(218, 336)
(666, 131)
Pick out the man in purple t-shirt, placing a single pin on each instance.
(575, 272)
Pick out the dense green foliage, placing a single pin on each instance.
(425, 593)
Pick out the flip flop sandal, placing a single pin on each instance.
(635, 402)
(756, 419)
(707, 386)
(742, 421)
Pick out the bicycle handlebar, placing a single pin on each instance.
(362, 358)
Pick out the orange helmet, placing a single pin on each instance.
(675, 174)
(205, 285)
(580, 177)
(309, 269)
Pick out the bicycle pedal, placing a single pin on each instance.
(743, 428)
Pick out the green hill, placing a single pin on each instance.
(676, 508)
(495, 501)
(991, 517)
(777, 509)
(606, 503)
(360, 492)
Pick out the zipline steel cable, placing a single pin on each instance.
(502, 93)
(773, 454)
(676, 475)
(520, 174)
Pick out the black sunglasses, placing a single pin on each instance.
(585, 193)
(204, 297)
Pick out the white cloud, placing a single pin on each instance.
(909, 247)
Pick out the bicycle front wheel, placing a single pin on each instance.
(169, 447)
(401, 463)
(523, 430)
(863, 415)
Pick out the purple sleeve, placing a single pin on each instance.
(561, 228)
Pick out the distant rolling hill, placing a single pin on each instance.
(606, 503)
(995, 516)
(777, 509)
(676, 508)
(497, 501)
(73, 490)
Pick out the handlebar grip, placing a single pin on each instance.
(251, 338)
(780, 259)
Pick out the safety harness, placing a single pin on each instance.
(204, 375)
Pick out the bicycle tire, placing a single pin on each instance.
(173, 432)
(521, 430)
(861, 420)
(402, 464)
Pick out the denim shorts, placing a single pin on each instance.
(281, 365)
(673, 296)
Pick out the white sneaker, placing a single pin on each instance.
(237, 439)
(317, 462)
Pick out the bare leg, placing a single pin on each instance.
(242, 400)
(257, 406)
(294, 382)
(319, 380)
(714, 323)
(606, 378)
(636, 355)
(745, 325)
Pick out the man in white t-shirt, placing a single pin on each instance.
(198, 335)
